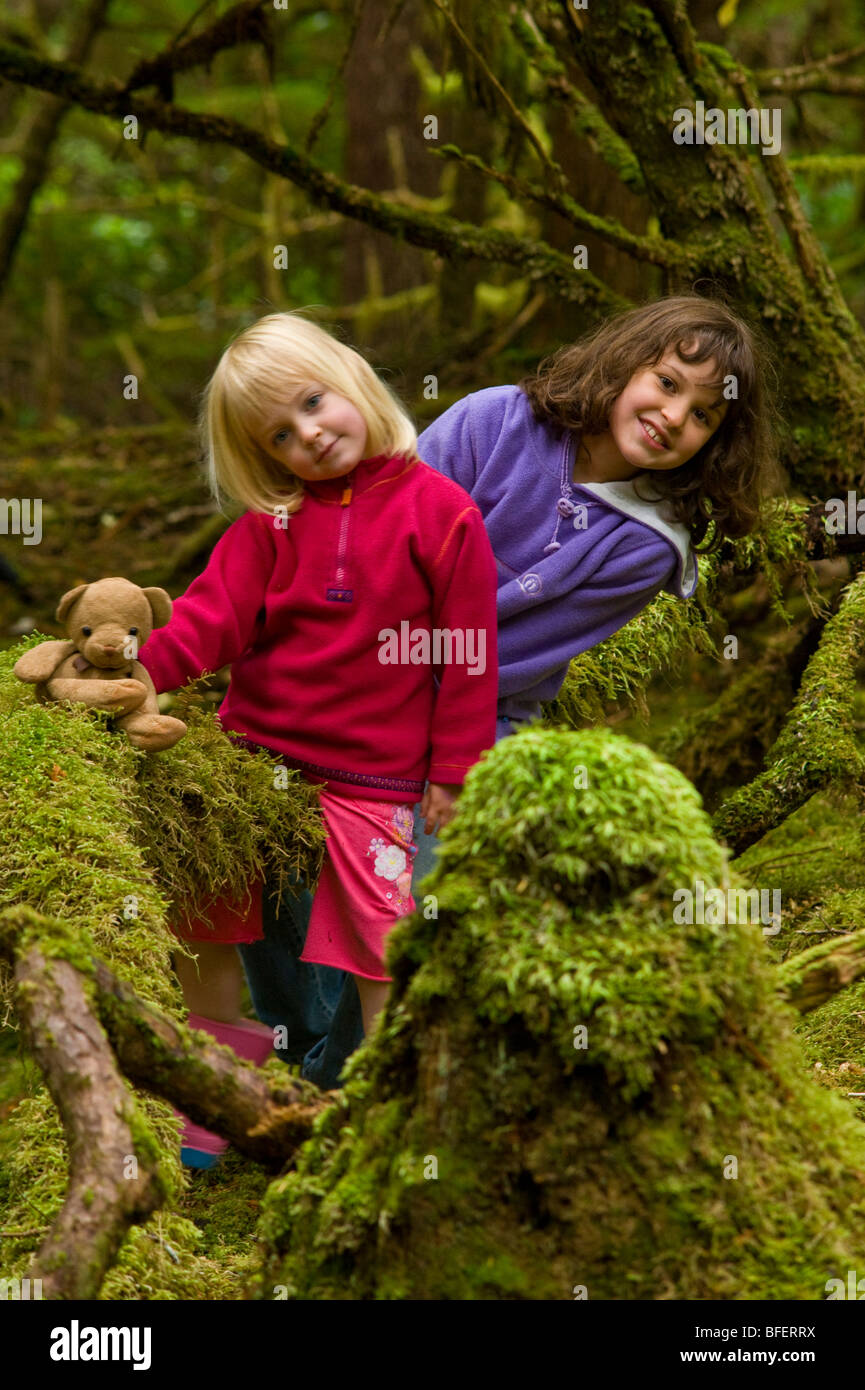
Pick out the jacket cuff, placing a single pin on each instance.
(448, 773)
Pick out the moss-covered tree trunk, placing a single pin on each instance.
(574, 1092)
(738, 213)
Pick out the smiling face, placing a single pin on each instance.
(662, 418)
(315, 432)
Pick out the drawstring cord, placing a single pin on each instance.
(564, 507)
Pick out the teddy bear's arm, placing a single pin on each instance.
(40, 663)
(118, 697)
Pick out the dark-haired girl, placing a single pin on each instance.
(598, 477)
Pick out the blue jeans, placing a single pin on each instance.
(318, 1007)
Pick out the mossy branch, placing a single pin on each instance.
(653, 250)
(162, 1056)
(243, 23)
(206, 1081)
(813, 976)
(540, 36)
(724, 745)
(816, 746)
(809, 253)
(620, 668)
(113, 1179)
(551, 168)
(672, 16)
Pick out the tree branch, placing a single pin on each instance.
(208, 1082)
(553, 170)
(813, 76)
(447, 236)
(36, 152)
(833, 84)
(113, 1181)
(243, 23)
(816, 746)
(540, 36)
(672, 16)
(203, 1079)
(654, 250)
(813, 976)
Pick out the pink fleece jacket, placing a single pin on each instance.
(335, 621)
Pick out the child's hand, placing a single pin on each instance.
(438, 805)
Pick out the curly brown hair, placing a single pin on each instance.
(726, 480)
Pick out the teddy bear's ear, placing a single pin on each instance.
(67, 601)
(160, 605)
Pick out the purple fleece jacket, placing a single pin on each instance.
(614, 550)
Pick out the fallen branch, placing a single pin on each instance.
(113, 1180)
(203, 1079)
(813, 976)
(208, 1082)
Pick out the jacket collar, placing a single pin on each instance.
(363, 476)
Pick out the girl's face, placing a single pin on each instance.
(667, 412)
(315, 433)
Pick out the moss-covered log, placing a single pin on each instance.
(114, 1169)
(816, 746)
(812, 977)
(573, 1090)
(725, 744)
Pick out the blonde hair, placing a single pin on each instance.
(255, 371)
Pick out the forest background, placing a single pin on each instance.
(457, 189)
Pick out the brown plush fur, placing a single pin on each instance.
(106, 623)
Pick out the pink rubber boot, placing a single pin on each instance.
(199, 1148)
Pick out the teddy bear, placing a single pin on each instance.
(106, 622)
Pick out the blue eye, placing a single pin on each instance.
(278, 438)
(314, 399)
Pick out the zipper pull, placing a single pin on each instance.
(346, 496)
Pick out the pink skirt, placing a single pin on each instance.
(365, 884)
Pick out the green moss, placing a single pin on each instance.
(561, 1165)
